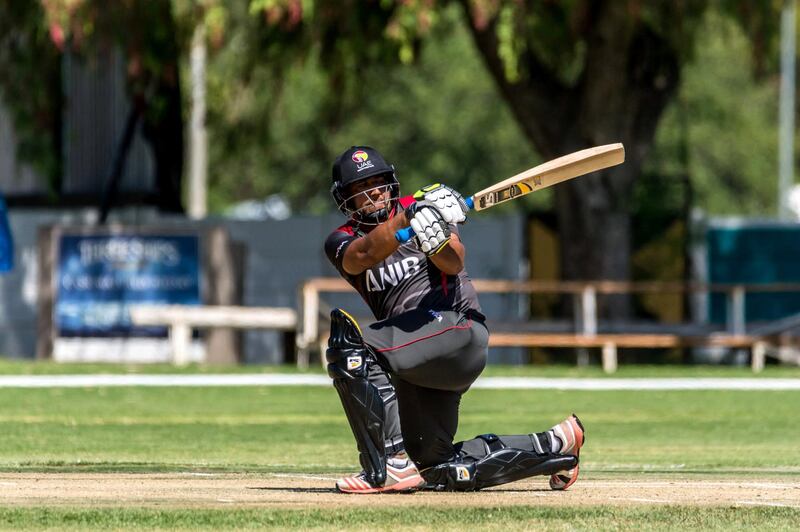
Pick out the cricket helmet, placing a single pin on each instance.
(358, 163)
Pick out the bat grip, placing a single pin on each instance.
(404, 235)
(407, 233)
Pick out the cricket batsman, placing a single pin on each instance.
(401, 378)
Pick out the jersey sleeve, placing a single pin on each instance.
(335, 245)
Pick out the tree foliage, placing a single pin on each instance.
(721, 130)
(30, 84)
(147, 34)
(440, 119)
(574, 73)
(293, 82)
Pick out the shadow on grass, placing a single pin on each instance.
(333, 490)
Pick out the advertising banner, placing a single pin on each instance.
(99, 276)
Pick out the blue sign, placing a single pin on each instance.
(6, 241)
(100, 276)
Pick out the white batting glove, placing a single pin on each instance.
(432, 233)
(447, 201)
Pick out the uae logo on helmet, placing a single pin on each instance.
(361, 158)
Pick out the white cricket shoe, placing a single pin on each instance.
(571, 433)
(401, 475)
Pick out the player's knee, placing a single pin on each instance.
(345, 332)
(347, 355)
(347, 365)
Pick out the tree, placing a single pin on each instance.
(587, 72)
(30, 85)
(37, 34)
(575, 73)
(439, 119)
(721, 127)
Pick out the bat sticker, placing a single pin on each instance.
(505, 194)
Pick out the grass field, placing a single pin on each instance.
(25, 367)
(679, 437)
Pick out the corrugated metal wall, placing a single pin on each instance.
(275, 266)
(16, 177)
(96, 109)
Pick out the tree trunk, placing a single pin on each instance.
(629, 76)
(163, 118)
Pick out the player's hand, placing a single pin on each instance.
(432, 232)
(447, 201)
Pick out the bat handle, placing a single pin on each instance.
(406, 234)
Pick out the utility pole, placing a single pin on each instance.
(786, 120)
(198, 138)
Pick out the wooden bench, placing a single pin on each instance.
(609, 343)
(181, 319)
(587, 331)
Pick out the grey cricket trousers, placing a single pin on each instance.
(432, 358)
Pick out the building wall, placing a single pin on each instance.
(279, 256)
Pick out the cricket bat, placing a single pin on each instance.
(539, 177)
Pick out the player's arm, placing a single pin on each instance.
(367, 251)
(450, 259)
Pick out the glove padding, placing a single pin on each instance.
(447, 201)
(432, 233)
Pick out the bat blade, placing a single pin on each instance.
(550, 173)
(539, 177)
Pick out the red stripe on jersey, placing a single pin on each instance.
(346, 228)
(405, 201)
(466, 326)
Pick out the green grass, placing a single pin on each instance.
(36, 367)
(631, 434)
(29, 367)
(304, 429)
(422, 518)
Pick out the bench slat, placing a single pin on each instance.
(215, 316)
(620, 340)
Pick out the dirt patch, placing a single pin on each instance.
(201, 490)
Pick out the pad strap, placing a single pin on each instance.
(500, 465)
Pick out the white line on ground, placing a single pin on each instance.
(307, 477)
(702, 484)
(639, 499)
(699, 383)
(519, 383)
(657, 468)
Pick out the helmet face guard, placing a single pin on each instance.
(355, 165)
(369, 213)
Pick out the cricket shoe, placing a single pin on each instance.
(401, 475)
(571, 433)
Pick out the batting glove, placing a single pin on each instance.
(432, 233)
(446, 200)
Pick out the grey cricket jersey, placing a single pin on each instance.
(405, 280)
